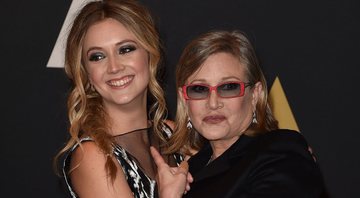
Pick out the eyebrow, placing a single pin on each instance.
(116, 44)
(201, 80)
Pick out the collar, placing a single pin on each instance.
(198, 163)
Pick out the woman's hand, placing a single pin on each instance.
(173, 182)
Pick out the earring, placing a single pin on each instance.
(189, 124)
(254, 120)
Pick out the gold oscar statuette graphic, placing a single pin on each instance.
(281, 108)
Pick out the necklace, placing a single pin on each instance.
(135, 130)
(210, 160)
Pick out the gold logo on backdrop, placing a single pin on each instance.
(281, 108)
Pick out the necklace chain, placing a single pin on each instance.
(135, 130)
(210, 160)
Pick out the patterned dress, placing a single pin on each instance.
(140, 184)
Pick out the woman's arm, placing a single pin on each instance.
(90, 179)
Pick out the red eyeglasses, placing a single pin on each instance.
(224, 90)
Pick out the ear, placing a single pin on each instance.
(257, 93)
(181, 95)
(182, 101)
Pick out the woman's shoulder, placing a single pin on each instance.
(282, 156)
(283, 133)
(87, 153)
(284, 137)
(88, 164)
(284, 141)
(281, 150)
(78, 148)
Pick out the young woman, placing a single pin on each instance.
(116, 106)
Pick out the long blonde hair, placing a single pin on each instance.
(193, 56)
(85, 107)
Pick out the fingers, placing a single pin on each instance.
(187, 188)
(183, 168)
(189, 178)
(157, 157)
(184, 165)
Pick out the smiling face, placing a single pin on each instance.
(221, 120)
(116, 63)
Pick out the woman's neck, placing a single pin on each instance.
(125, 119)
(220, 146)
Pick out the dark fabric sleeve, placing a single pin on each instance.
(284, 168)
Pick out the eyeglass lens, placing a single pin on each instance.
(224, 90)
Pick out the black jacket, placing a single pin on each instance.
(276, 164)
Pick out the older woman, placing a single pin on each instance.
(223, 113)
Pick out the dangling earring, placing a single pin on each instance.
(189, 124)
(254, 120)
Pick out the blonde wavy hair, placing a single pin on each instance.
(86, 112)
(193, 56)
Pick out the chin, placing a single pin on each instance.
(123, 100)
(213, 136)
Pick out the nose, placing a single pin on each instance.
(214, 102)
(115, 64)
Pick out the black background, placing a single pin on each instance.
(312, 46)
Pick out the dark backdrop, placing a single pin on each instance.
(312, 46)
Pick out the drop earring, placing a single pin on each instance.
(189, 124)
(254, 120)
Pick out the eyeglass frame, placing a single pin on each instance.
(243, 85)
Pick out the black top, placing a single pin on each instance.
(276, 164)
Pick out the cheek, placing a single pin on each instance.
(194, 109)
(141, 62)
(94, 76)
(142, 67)
(145, 75)
(95, 71)
(241, 109)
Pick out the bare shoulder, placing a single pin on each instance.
(87, 152)
(89, 177)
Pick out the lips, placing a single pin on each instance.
(214, 119)
(122, 82)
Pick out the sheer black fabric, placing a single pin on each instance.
(137, 144)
